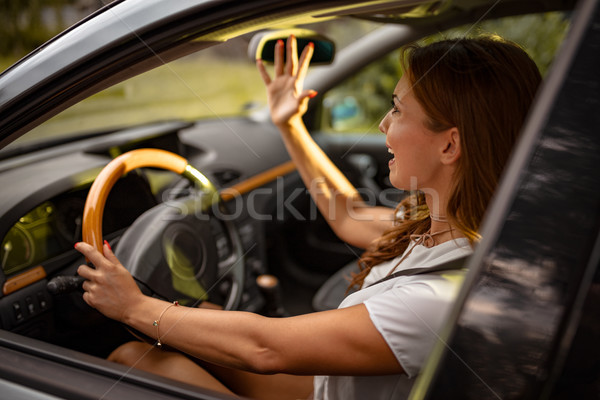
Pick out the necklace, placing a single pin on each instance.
(438, 218)
(427, 239)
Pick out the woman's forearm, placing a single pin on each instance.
(316, 168)
(303, 345)
(219, 337)
(336, 198)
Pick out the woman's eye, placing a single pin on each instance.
(394, 109)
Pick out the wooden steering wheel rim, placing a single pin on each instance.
(96, 200)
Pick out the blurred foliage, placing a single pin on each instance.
(24, 25)
(540, 34)
(361, 102)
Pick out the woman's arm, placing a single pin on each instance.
(337, 199)
(337, 342)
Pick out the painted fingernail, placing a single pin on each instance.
(312, 45)
(280, 42)
(75, 245)
(313, 94)
(107, 245)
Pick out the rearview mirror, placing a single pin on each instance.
(262, 45)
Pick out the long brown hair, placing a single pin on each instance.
(484, 87)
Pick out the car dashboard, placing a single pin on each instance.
(41, 219)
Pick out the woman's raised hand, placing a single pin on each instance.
(287, 98)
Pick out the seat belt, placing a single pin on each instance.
(456, 264)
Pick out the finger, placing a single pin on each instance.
(304, 102)
(108, 253)
(308, 94)
(292, 55)
(91, 254)
(86, 298)
(278, 62)
(305, 58)
(84, 248)
(86, 272)
(263, 72)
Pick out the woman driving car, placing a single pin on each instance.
(455, 115)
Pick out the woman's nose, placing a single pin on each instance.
(383, 124)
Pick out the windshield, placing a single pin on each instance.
(218, 82)
(222, 82)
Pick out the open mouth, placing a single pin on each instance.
(391, 152)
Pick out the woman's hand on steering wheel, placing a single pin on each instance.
(287, 99)
(109, 287)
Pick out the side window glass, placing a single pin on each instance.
(359, 103)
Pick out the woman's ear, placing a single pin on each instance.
(451, 151)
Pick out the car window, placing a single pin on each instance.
(358, 104)
(218, 82)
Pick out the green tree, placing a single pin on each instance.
(22, 24)
(359, 104)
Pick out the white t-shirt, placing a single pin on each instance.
(408, 311)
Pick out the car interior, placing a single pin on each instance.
(244, 233)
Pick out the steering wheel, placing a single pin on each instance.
(176, 250)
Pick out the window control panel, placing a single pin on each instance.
(25, 304)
